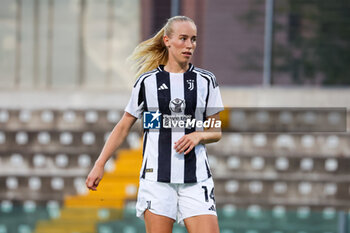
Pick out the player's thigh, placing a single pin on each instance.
(159, 198)
(202, 224)
(196, 199)
(158, 223)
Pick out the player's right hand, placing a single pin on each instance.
(94, 177)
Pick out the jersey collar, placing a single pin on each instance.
(190, 68)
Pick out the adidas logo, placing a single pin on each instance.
(212, 208)
(163, 87)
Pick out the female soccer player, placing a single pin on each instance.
(175, 179)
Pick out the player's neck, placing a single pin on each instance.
(174, 67)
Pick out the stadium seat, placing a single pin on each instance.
(303, 212)
(279, 211)
(53, 209)
(262, 117)
(47, 116)
(80, 186)
(134, 140)
(280, 187)
(334, 118)
(84, 161)
(329, 213)
(282, 163)
(309, 117)
(61, 160)
(235, 139)
(34, 183)
(285, 117)
(110, 166)
(24, 116)
(285, 141)
(306, 164)
(259, 140)
(257, 163)
(332, 141)
(11, 183)
(331, 165)
(39, 160)
(231, 186)
(44, 138)
(88, 138)
(307, 141)
(237, 119)
(91, 116)
(6, 206)
(254, 211)
(69, 116)
(29, 206)
(57, 183)
(233, 162)
(4, 116)
(113, 116)
(66, 138)
(330, 189)
(305, 188)
(213, 162)
(17, 160)
(21, 138)
(255, 187)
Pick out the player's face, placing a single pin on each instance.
(182, 42)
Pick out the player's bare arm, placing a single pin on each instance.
(115, 139)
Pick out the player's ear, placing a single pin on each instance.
(166, 40)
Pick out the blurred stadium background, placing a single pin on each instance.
(282, 165)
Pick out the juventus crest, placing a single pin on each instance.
(190, 84)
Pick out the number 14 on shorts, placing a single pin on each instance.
(211, 196)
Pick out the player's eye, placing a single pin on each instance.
(194, 39)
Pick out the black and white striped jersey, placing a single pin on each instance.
(197, 92)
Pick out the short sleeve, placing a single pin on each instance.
(136, 103)
(214, 104)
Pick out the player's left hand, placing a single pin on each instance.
(187, 142)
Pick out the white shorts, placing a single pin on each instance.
(176, 201)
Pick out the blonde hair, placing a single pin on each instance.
(151, 53)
